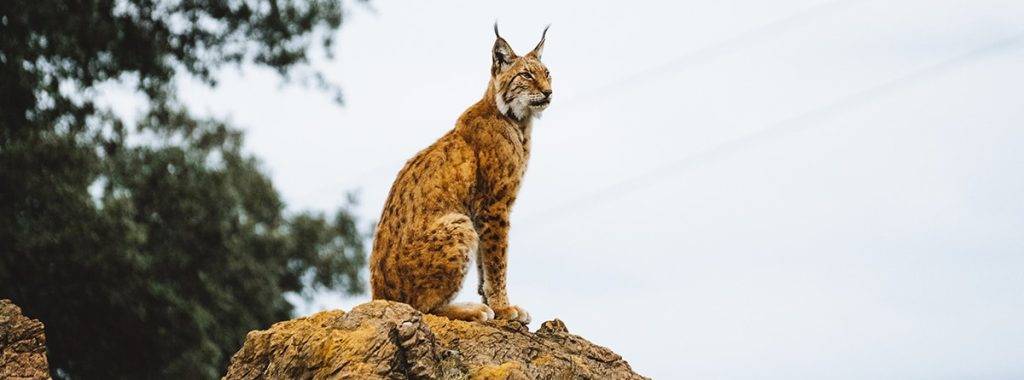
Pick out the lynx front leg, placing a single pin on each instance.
(493, 264)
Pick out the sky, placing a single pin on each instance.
(720, 189)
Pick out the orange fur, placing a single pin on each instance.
(452, 200)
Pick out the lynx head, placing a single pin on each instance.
(522, 85)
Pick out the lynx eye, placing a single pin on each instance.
(527, 75)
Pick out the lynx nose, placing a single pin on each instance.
(547, 93)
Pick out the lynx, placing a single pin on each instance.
(450, 203)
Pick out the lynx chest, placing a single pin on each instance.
(502, 161)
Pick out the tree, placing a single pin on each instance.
(149, 250)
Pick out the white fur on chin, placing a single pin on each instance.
(520, 107)
(538, 111)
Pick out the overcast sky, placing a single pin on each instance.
(720, 189)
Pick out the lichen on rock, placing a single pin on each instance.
(391, 340)
(22, 345)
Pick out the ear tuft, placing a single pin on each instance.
(539, 49)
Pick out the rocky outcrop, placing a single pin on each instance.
(22, 345)
(390, 340)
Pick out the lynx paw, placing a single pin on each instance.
(512, 313)
(482, 313)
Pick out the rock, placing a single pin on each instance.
(22, 345)
(390, 340)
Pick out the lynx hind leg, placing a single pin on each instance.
(441, 262)
(466, 311)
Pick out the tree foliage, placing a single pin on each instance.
(149, 250)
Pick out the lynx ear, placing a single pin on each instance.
(502, 55)
(537, 51)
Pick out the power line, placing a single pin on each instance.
(715, 50)
(775, 130)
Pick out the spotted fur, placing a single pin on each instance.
(450, 204)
